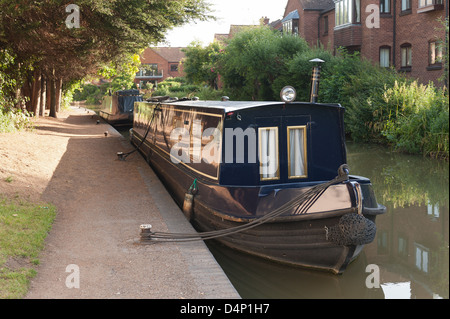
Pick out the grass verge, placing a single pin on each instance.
(23, 229)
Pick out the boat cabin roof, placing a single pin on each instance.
(232, 106)
(260, 143)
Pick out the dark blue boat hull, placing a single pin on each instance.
(298, 240)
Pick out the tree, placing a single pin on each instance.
(37, 34)
(255, 58)
(201, 63)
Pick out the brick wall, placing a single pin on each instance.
(375, 38)
(309, 27)
(291, 6)
(348, 36)
(308, 22)
(418, 29)
(327, 35)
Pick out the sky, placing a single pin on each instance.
(227, 12)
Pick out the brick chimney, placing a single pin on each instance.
(264, 21)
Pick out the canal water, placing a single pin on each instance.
(409, 258)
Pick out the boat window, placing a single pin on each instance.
(196, 141)
(268, 153)
(297, 151)
(177, 122)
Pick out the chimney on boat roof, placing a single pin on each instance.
(315, 78)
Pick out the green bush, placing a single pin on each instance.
(254, 59)
(299, 69)
(86, 91)
(176, 87)
(418, 119)
(358, 85)
(13, 120)
(186, 88)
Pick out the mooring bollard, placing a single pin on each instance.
(146, 232)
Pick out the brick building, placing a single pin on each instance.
(404, 34)
(159, 63)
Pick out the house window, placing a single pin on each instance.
(290, 27)
(268, 153)
(406, 5)
(173, 67)
(406, 54)
(297, 152)
(425, 3)
(385, 6)
(347, 12)
(385, 56)
(433, 210)
(325, 25)
(149, 69)
(287, 27)
(430, 5)
(422, 257)
(435, 53)
(290, 23)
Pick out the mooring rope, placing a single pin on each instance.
(299, 204)
(123, 156)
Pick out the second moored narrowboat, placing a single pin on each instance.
(118, 107)
(266, 178)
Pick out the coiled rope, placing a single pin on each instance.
(299, 205)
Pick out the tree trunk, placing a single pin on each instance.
(48, 94)
(43, 97)
(19, 104)
(58, 95)
(27, 92)
(52, 98)
(36, 93)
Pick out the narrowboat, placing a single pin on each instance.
(266, 178)
(117, 107)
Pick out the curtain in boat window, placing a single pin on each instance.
(268, 153)
(297, 151)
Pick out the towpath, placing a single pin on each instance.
(101, 203)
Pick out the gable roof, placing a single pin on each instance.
(316, 4)
(291, 15)
(170, 54)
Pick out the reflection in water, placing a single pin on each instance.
(411, 249)
(256, 278)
